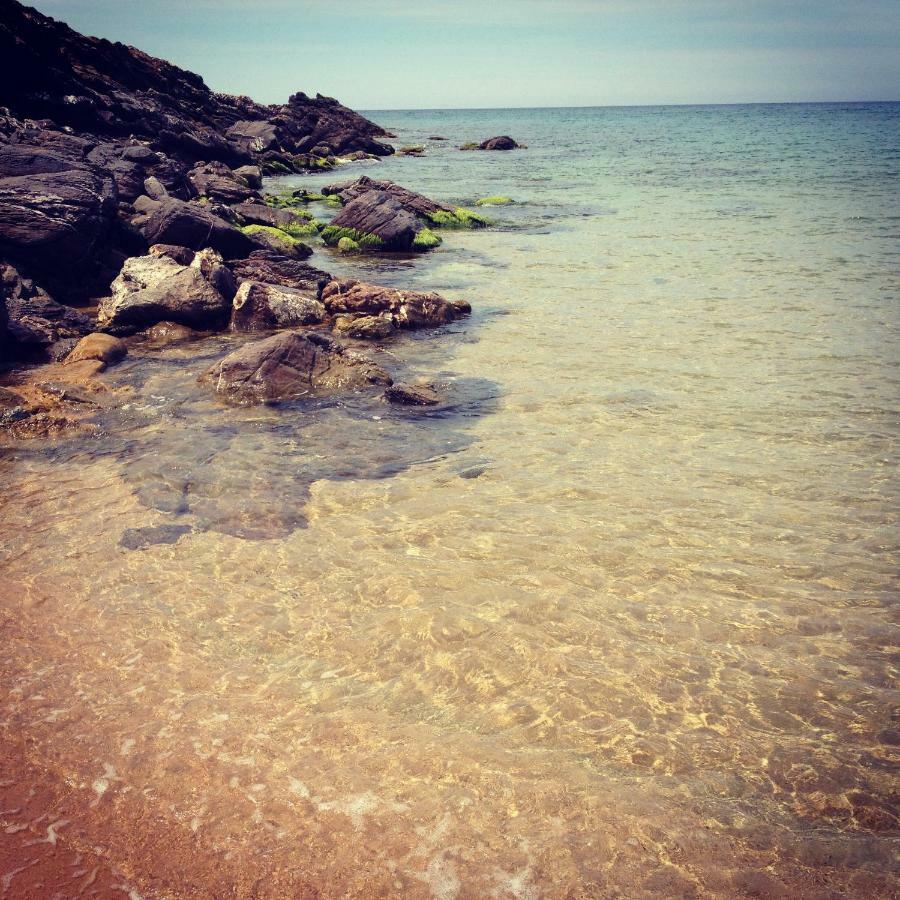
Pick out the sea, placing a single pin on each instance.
(618, 618)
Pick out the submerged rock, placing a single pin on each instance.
(365, 327)
(258, 306)
(141, 538)
(501, 142)
(290, 365)
(158, 287)
(164, 334)
(404, 309)
(412, 394)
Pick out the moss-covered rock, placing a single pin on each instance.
(471, 145)
(306, 228)
(348, 245)
(287, 201)
(426, 239)
(416, 150)
(332, 235)
(497, 200)
(276, 238)
(459, 218)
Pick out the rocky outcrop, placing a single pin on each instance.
(218, 182)
(502, 142)
(258, 306)
(290, 365)
(404, 309)
(375, 215)
(50, 71)
(56, 210)
(161, 287)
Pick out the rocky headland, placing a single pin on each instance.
(132, 212)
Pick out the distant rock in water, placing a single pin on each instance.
(290, 365)
(501, 142)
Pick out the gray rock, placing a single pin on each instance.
(378, 213)
(411, 395)
(258, 307)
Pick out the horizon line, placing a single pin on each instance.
(368, 109)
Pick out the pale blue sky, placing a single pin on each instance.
(393, 54)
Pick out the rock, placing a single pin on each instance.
(255, 213)
(288, 366)
(140, 153)
(502, 142)
(154, 188)
(55, 214)
(411, 395)
(173, 221)
(213, 269)
(103, 347)
(378, 214)
(405, 309)
(164, 334)
(277, 241)
(258, 306)
(216, 180)
(36, 323)
(252, 175)
(269, 267)
(157, 288)
(369, 328)
(418, 204)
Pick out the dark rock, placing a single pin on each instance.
(416, 203)
(502, 142)
(36, 322)
(258, 307)
(140, 153)
(254, 213)
(142, 538)
(290, 365)
(216, 180)
(269, 267)
(55, 214)
(405, 309)
(378, 213)
(189, 225)
(412, 395)
(252, 175)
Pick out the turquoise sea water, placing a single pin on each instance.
(619, 620)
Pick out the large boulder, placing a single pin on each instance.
(406, 309)
(270, 267)
(56, 211)
(258, 307)
(158, 287)
(290, 365)
(378, 214)
(171, 221)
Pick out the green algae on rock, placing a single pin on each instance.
(426, 239)
(348, 245)
(332, 235)
(458, 218)
(277, 238)
(498, 200)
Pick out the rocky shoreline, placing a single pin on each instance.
(132, 210)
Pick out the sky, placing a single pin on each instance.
(437, 54)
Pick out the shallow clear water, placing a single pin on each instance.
(619, 620)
